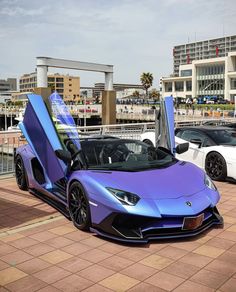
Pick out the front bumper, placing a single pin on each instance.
(133, 228)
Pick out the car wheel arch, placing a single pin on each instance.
(148, 141)
(70, 183)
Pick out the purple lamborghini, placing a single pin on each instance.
(122, 189)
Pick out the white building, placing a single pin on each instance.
(207, 77)
(128, 92)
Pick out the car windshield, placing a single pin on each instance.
(124, 155)
(223, 137)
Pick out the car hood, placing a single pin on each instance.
(180, 179)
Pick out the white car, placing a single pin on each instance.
(211, 148)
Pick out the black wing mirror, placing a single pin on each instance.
(64, 155)
(181, 148)
(196, 141)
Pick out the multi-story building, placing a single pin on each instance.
(67, 86)
(201, 50)
(8, 85)
(100, 87)
(206, 77)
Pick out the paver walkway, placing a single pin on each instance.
(40, 250)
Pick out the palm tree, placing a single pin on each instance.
(155, 94)
(136, 93)
(146, 80)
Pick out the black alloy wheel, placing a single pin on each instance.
(215, 166)
(20, 173)
(79, 206)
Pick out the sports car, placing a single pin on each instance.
(211, 148)
(121, 189)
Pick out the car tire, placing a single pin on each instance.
(148, 142)
(79, 206)
(215, 166)
(20, 173)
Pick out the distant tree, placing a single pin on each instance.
(146, 80)
(52, 87)
(154, 94)
(136, 94)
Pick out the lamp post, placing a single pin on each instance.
(235, 106)
(85, 101)
(6, 101)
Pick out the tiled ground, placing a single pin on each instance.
(52, 256)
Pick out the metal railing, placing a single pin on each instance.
(10, 140)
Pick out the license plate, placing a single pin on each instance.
(191, 223)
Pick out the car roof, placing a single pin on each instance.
(204, 128)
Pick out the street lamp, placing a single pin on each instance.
(234, 106)
(6, 101)
(85, 101)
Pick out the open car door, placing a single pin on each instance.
(41, 127)
(165, 135)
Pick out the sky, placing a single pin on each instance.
(135, 36)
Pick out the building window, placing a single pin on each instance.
(179, 86)
(60, 85)
(60, 90)
(186, 72)
(188, 85)
(59, 80)
(168, 86)
(211, 86)
(210, 70)
(51, 79)
(233, 83)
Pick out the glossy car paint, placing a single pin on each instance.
(197, 155)
(163, 192)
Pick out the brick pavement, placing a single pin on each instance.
(40, 250)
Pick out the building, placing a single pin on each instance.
(9, 84)
(202, 50)
(127, 92)
(67, 86)
(208, 77)
(100, 87)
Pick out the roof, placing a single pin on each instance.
(205, 128)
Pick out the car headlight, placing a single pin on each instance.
(124, 197)
(209, 183)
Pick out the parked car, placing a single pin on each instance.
(211, 148)
(121, 189)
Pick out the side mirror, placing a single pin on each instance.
(196, 141)
(64, 155)
(181, 148)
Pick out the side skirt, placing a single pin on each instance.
(52, 202)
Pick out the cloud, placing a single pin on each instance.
(18, 11)
(135, 36)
